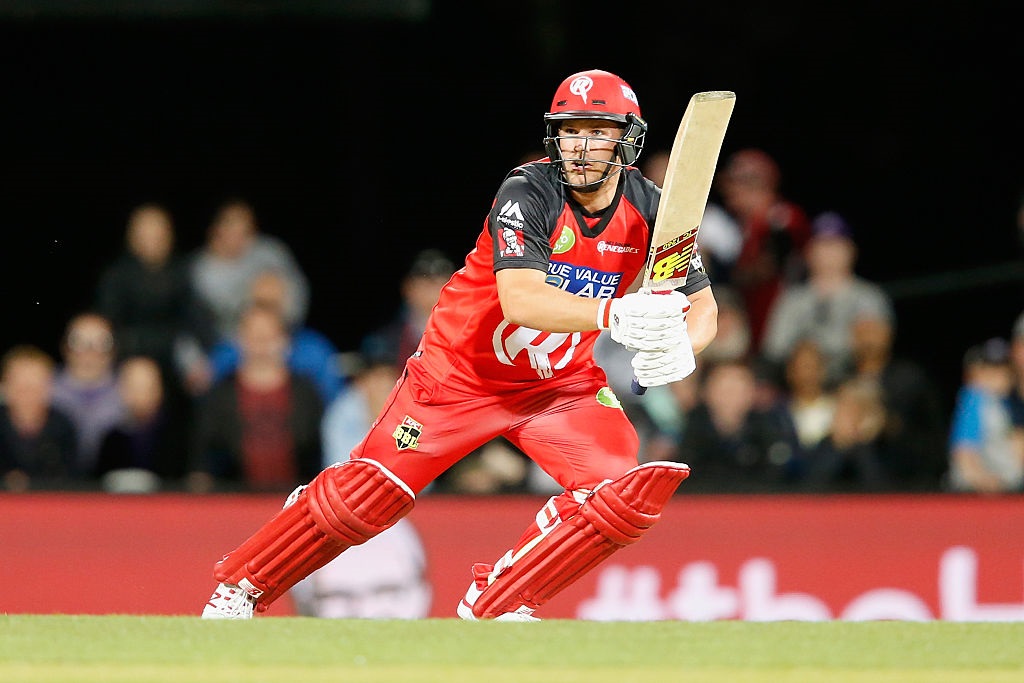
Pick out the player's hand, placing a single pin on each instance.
(655, 368)
(644, 321)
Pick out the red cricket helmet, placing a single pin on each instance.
(597, 94)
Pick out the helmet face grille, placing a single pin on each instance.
(630, 146)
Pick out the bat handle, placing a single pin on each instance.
(638, 389)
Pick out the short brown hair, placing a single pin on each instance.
(25, 352)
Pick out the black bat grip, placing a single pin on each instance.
(638, 389)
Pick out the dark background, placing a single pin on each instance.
(365, 131)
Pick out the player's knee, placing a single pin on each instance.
(624, 509)
(356, 500)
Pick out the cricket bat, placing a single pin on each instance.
(684, 193)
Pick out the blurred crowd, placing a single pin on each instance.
(198, 371)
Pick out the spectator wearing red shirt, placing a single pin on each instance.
(775, 232)
(259, 427)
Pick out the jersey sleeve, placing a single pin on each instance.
(697, 277)
(521, 221)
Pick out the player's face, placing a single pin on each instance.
(587, 146)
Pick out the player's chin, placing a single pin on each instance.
(583, 176)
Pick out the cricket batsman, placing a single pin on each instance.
(508, 351)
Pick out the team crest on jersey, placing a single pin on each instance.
(607, 398)
(565, 241)
(407, 434)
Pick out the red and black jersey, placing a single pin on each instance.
(534, 223)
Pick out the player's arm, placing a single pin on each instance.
(638, 321)
(702, 319)
(526, 299)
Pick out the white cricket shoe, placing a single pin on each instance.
(229, 602)
(481, 572)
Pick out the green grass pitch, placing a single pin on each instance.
(116, 649)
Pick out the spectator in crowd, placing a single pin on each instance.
(913, 439)
(986, 449)
(849, 459)
(258, 428)
(384, 578)
(421, 287)
(37, 440)
(236, 250)
(310, 352)
(349, 416)
(720, 235)
(147, 295)
(774, 229)
(1017, 362)
(145, 450)
(825, 306)
(808, 407)
(85, 387)
(735, 445)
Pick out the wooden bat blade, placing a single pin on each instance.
(684, 195)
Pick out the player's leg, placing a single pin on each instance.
(590, 448)
(616, 514)
(351, 502)
(345, 505)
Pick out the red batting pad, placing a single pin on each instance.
(617, 514)
(345, 505)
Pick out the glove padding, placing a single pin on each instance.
(645, 321)
(655, 368)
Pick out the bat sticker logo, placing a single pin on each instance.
(581, 86)
(672, 259)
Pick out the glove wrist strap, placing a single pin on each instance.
(604, 308)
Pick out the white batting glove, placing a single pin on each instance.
(654, 368)
(645, 321)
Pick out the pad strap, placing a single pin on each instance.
(345, 505)
(616, 514)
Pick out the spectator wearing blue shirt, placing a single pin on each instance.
(1017, 361)
(349, 417)
(310, 353)
(421, 287)
(986, 448)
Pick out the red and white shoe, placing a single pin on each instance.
(482, 573)
(232, 602)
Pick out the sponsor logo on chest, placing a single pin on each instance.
(583, 280)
